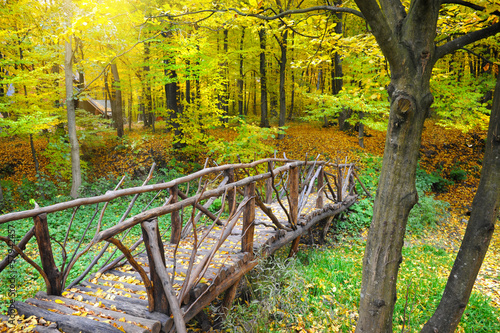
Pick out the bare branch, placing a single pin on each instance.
(465, 40)
(276, 16)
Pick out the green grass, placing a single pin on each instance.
(319, 291)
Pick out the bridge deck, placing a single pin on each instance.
(116, 300)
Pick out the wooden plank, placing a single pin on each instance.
(68, 324)
(63, 309)
(152, 325)
(113, 291)
(121, 303)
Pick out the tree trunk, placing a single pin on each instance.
(282, 93)
(118, 103)
(411, 57)
(292, 72)
(147, 100)
(241, 111)
(477, 235)
(264, 122)
(70, 108)
(172, 95)
(33, 154)
(361, 129)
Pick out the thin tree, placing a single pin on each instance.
(76, 173)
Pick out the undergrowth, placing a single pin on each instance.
(318, 291)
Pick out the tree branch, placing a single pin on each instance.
(276, 16)
(467, 4)
(381, 29)
(460, 42)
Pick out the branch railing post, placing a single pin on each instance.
(293, 186)
(229, 173)
(54, 276)
(248, 220)
(319, 200)
(159, 299)
(175, 220)
(269, 186)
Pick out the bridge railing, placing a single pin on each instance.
(181, 206)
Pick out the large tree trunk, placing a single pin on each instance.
(264, 122)
(117, 112)
(70, 108)
(477, 235)
(282, 93)
(409, 93)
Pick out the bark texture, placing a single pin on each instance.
(76, 173)
(117, 109)
(408, 43)
(477, 235)
(264, 122)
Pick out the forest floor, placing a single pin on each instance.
(449, 154)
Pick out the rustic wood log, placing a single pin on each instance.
(152, 232)
(68, 324)
(229, 173)
(248, 219)
(293, 185)
(269, 186)
(45, 329)
(160, 300)
(324, 232)
(319, 200)
(151, 324)
(287, 237)
(111, 195)
(228, 299)
(46, 256)
(362, 185)
(67, 310)
(176, 223)
(13, 254)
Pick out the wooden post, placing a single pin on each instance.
(175, 235)
(248, 220)
(269, 187)
(230, 193)
(229, 296)
(319, 201)
(46, 255)
(339, 185)
(160, 300)
(293, 186)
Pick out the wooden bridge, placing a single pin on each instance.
(264, 205)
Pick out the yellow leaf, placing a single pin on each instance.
(58, 301)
